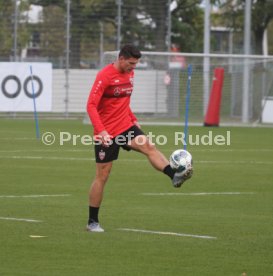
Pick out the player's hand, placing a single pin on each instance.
(105, 138)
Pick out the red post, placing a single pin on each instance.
(212, 117)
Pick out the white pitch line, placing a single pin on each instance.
(47, 150)
(235, 162)
(32, 196)
(166, 233)
(48, 158)
(20, 219)
(165, 150)
(135, 160)
(197, 194)
(18, 138)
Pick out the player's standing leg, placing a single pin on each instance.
(96, 195)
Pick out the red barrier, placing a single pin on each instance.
(212, 117)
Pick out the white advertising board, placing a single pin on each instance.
(267, 115)
(21, 83)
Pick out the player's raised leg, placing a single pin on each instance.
(142, 144)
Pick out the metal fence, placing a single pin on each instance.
(161, 83)
(160, 88)
(72, 34)
(75, 34)
(78, 40)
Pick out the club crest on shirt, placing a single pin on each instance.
(101, 155)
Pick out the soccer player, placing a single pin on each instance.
(115, 126)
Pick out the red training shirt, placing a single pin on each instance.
(108, 105)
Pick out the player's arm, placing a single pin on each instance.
(94, 98)
(133, 118)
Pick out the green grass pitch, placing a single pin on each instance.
(236, 206)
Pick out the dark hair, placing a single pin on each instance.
(129, 51)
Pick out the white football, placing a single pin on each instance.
(181, 160)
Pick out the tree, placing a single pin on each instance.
(76, 26)
(270, 38)
(7, 17)
(84, 25)
(146, 22)
(143, 23)
(52, 37)
(158, 11)
(6, 11)
(262, 14)
(188, 26)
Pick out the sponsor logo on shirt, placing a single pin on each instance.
(122, 92)
(116, 91)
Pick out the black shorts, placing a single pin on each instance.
(107, 154)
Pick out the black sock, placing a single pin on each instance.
(93, 214)
(169, 171)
